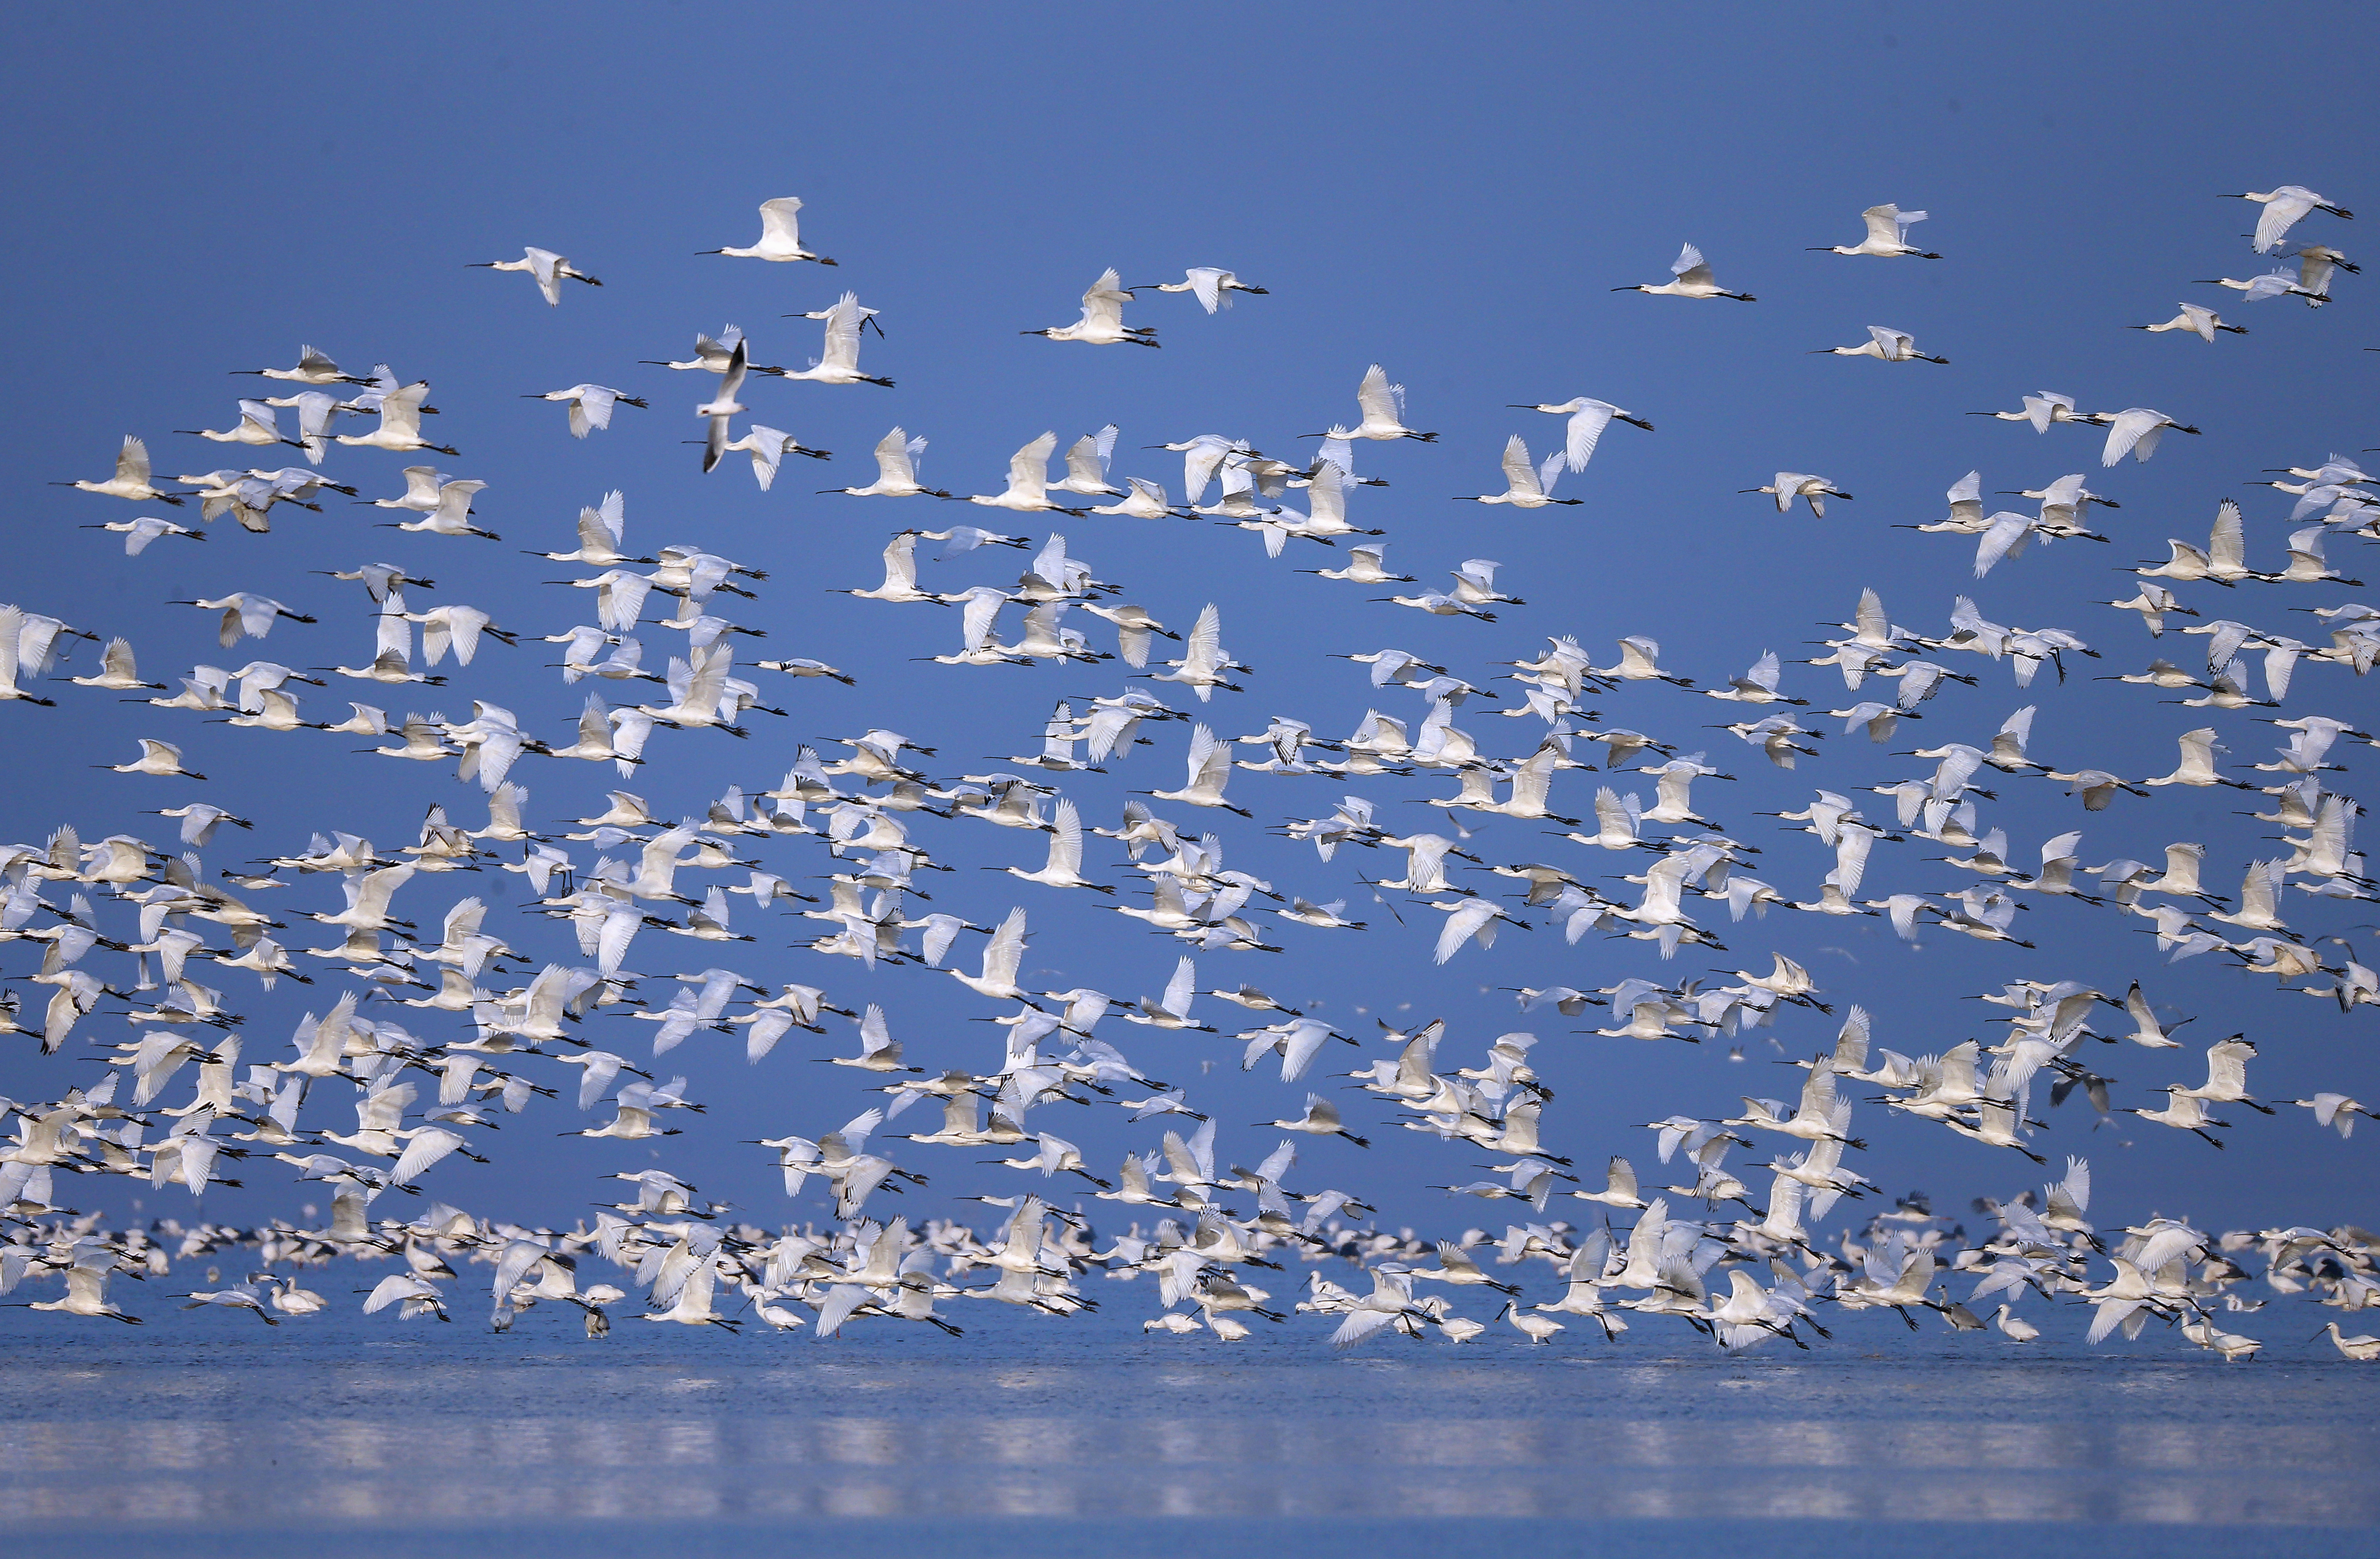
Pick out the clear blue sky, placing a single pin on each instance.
(1452, 194)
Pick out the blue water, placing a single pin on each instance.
(210, 1434)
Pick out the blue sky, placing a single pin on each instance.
(1451, 198)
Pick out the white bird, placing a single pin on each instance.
(245, 614)
(1526, 486)
(131, 478)
(1028, 482)
(2283, 208)
(721, 406)
(1209, 771)
(1213, 287)
(452, 514)
(1383, 406)
(400, 426)
(548, 267)
(2134, 432)
(1884, 344)
(1887, 235)
(768, 446)
(1691, 278)
(1588, 418)
(839, 360)
(590, 406)
(157, 758)
(2040, 410)
(258, 423)
(313, 368)
(1786, 486)
(896, 470)
(1102, 321)
(2200, 323)
(139, 533)
(781, 235)
(86, 1293)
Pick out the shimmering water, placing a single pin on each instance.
(209, 1433)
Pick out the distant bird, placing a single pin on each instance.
(1887, 235)
(1693, 279)
(548, 267)
(781, 235)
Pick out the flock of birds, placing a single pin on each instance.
(433, 1031)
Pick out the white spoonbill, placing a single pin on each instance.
(1887, 235)
(1588, 418)
(1692, 278)
(1102, 321)
(781, 235)
(548, 267)
(1212, 287)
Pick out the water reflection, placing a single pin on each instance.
(312, 1430)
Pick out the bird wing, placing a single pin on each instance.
(1690, 266)
(779, 219)
(1006, 950)
(1029, 468)
(2227, 546)
(1066, 839)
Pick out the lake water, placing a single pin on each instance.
(207, 1433)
